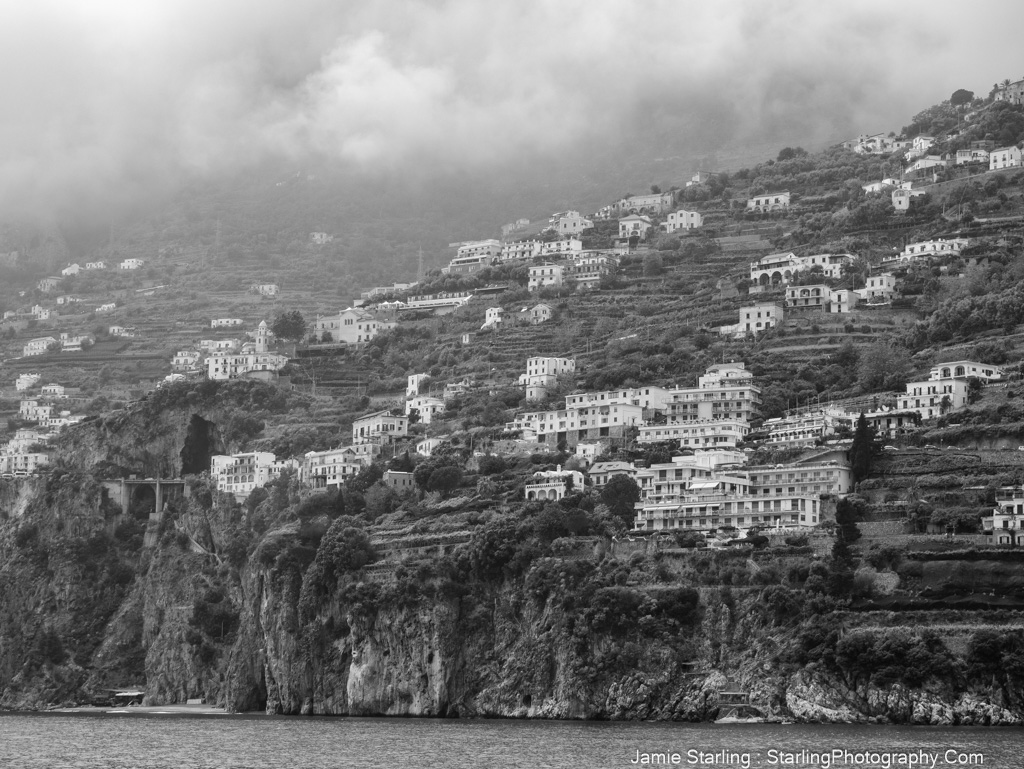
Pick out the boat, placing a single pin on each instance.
(734, 707)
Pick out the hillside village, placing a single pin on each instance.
(560, 271)
(819, 350)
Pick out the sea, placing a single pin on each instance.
(154, 741)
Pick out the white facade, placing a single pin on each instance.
(760, 317)
(928, 248)
(493, 317)
(71, 269)
(710, 434)
(379, 427)
(570, 223)
(330, 469)
(966, 368)
(25, 381)
(265, 289)
(351, 326)
(427, 405)
(647, 397)
(545, 276)
(553, 484)
(96, 265)
(131, 264)
(579, 423)
(226, 323)
(934, 397)
(1006, 157)
(414, 383)
(542, 373)
(682, 220)
(106, 309)
(37, 346)
(240, 474)
(232, 365)
(878, 288)
(635, 225)
(773, 201)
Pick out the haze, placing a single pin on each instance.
(107, 102)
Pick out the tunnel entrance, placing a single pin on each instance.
(200, 445)
(142, 502)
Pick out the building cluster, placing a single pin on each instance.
(25, 452)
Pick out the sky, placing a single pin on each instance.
(106, 101)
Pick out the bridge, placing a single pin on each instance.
(145, 498)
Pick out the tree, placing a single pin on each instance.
(445, 480)
(974, 385)
(289, 325)
(653, 266)
(862, 452)
(961, 96)
(620, 494)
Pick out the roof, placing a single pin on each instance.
(605, 467)
(382, 412)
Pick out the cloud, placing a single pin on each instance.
(104, 101)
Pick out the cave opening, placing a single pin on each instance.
(200, 445)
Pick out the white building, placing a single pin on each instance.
(926, 249)
(805, 428)
(648, 397)
(901, 198)
(38, 346)
(878, 288)
(34, 411)
(554, 484)
(1006, 157)
(760, 317)
(1005, 524)
(320, 238)
(25, 381)
(240, 474)
(602, 472)
(265, 289)
(233, 365)
(330, 469)
(773, 201)
(131, 264)
(352, 326)
(934, 397)
(725, 391)
(96, 265)
(493, 317)
(538, 314)
(126, 331)
(379, 427)
(570, 223)
(53, 390)
(106, 309)
(427, 406)
(22, 463)
(972, 155)
(634, 225)
(71, 269)
(226, 323)
(414, 384)
(186, 360)
(656, 203)
(48, 284)
(542, 373)
(682, 220)
(545, 276)
(710, 434)
(966, 368)
(580, 423)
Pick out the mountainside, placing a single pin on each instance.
(455, 595)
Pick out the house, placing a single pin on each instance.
(808, 297)
(226, 322)
(925, 249)
(265, 289)
(649, 398)
(698, 178)
(602, 472)
(185, 360)
(928, 161)
(1007, 157)
(542, 373)
(724, 391)
(68, 299)
(520, 249)
(125, 331)
(38, 346)
(71, 269)
(775, 268)
(379, 427)
(682, 220)
(1005, 524)
(878, 288)
(22, 463)
(351, 326)
(966, 368)
(106, 309)
(545, 276)
(25, 381)
(75, 342)
(40, 313)
(569, 223)
(48, 284)
(588, 267)
(247, 363)
(516, 226)
(842, 300)
(701, 434)
(804, 428)
(634, 225)
(219, 345)
(414, 384)
(131, 264)
(53, 390)
(330, 469)
(540, 313)
(453, 390)
(553, 484)
(472, 256)
(809, 477)
(320, 238)
(755, 318)
(397, 479)
(1012, 93)
(96, 265)
(564, 248)
(773, 201)
(972, 155)
(901, 198)
(934, 397)
(241, 474)
(427, 406)
(492, 317)
(571, 425)
(34, 411)
(656, 203)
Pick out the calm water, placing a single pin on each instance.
(265, 742)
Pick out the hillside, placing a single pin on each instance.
(453, 595)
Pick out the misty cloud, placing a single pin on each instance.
(106, 100)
